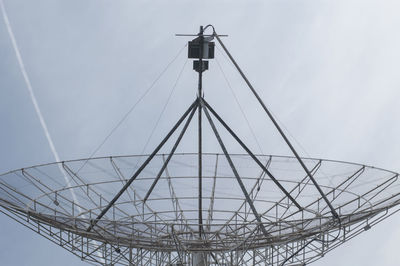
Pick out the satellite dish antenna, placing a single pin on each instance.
(201, 208)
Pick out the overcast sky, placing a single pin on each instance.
(329, 70)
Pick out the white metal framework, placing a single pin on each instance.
(164, 229)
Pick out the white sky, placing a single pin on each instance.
(328, 70)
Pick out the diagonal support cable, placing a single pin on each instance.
(252, 155)
(271, 117)
(171, 153)
(242, 187)
(125, 187)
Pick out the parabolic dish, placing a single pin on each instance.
(59, 201)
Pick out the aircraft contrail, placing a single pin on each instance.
(37, 109)
(33, 97)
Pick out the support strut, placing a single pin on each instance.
(125, 187)
(333, 211)
(207, 106)
(236, 174)
(171, 153)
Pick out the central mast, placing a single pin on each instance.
(200, 48)
(199, 95)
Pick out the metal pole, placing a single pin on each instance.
(333, 211)
(200, 192)
(104, 211)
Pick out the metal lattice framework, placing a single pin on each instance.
(200, 208)
(164, 229)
